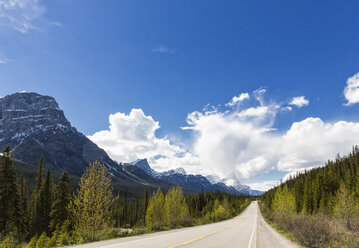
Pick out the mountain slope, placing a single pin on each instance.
(194, 182)
(33, 125)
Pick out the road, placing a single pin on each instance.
(248, 230)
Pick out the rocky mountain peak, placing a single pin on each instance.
(33, 125)
(143, 165)
(22, 114)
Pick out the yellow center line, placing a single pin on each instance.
(206, 235)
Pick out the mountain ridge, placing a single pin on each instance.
(34, 125)
(195, 182)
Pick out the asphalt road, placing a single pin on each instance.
(248, 230)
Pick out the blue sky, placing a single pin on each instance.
(171, 58)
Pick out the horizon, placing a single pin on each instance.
(259, 93)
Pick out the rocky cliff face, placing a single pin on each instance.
(33, 125)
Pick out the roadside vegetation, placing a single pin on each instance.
(320, 207)
(53, 215)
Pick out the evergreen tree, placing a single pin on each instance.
(35, 202)
(43, 205)
(8, 191)
(19, 217)
(59, 211)
(24, 207)
(308, 197)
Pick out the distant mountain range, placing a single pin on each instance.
(196, 182)
(33, 125)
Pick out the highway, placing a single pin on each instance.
(248, 230)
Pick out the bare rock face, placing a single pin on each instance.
(33, 125)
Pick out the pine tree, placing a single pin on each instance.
(308, 197)
(24, 207)
(59, 211)
(8, 191)
(19, 216)
(35, 202)
(91, 207)
(42, 202)
(46, 198)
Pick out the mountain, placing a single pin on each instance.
(194, 182)
(232, 181)
(33, 125)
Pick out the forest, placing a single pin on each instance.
(319, 207)
(53, 215)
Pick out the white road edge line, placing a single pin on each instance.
(254, 229)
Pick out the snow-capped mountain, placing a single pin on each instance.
(33, 125)
(195, 182)
(235, 183)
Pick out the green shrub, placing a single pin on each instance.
(43, 241)
(32, 243)
(9, 242)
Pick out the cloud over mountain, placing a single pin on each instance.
(132, 136)
(241, 142)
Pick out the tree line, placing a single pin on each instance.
(55, 215)
(327, 198)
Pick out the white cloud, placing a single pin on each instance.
(254, 112)
(4, 59)
(351, 91)
(299, 101)
(163, 49)
(246, 144)
(238, 99)
(287, 108)
(21, 15)
(240, 142)
(133, 136)
(263, 186)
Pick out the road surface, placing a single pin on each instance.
(248, 230)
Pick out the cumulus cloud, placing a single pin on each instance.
(351, 91)
(238, 99)
(263, 186)
(163, 49)
(299, 101)
(132, 136)
(230, 142)
(245, 142)
(24, 15)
